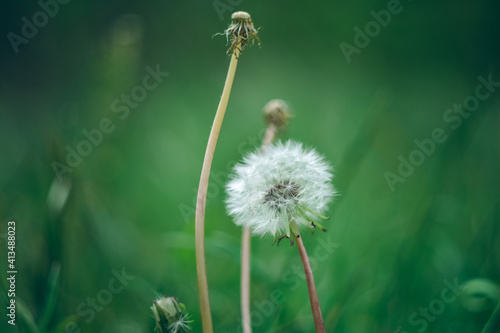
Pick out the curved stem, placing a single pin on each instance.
(206, 316)
(313, 294)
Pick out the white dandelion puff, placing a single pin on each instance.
(279, 184)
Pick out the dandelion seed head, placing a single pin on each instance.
(276, 184)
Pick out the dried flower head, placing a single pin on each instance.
(170, 315)
(276, 113)
(279, 184)
(240, 31)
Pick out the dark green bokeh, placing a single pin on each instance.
(131, 200)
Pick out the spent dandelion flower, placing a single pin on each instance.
(278, 186)
(240, 31)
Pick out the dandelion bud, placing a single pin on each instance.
(277, 185)
(276, 113)
(170, 315)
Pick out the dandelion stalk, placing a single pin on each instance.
(245, 280)
(206, 315)
(240, 31)
(276, 114)
(311, 286)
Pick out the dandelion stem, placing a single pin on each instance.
(245, 253)
(269, 135)
(245, 281)
(206, 316)
(313, 294)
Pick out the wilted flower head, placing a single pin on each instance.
(278, 184)
(240, 31)
(170, 315)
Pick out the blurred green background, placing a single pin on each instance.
(129, 204)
